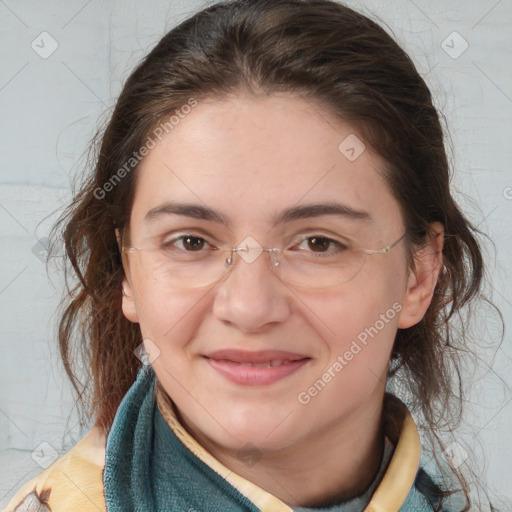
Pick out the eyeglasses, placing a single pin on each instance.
(200, 263)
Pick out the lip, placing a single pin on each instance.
(230, 364)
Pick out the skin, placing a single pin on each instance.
(249, 158)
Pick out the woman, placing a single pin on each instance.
(269, 229)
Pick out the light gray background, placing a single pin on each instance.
(51, 106)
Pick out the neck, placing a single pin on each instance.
(338, 463)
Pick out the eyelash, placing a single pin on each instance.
(340, 246)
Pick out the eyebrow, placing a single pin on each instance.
(201, 212)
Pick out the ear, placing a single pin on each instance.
(128, 302)
(422, 280)
(118, 238)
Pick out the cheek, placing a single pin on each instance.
(167, 317)
(344, 313)
(357, 355)
(357, 326)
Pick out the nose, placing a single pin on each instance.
(251, 296)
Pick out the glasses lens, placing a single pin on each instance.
(320, 270)
(181, 270)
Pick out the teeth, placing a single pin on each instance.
(266, 364)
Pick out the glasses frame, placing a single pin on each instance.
(274, 261)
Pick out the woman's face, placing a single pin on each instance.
(249, 159)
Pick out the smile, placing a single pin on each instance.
(261, 373)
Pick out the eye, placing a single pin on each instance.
(320, 244)
(189, 243)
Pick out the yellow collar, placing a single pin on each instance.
(388, 497)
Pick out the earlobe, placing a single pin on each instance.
(128, 303)
(422, 281)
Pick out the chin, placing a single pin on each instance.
(255, 442)
(251, 433)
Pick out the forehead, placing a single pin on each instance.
(250, 158)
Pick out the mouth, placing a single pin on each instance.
(256, 368)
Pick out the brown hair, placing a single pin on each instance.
(324, 52)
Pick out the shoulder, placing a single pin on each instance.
(73, 482)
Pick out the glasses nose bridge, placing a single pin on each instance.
(251, 254)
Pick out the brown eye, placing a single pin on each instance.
(319, 243)
(185, 243)
(192, 243)
(321, 246)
